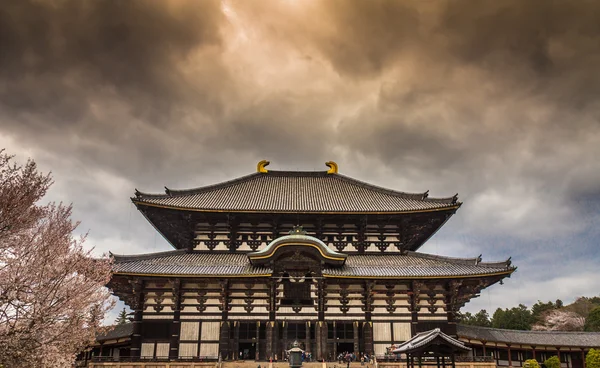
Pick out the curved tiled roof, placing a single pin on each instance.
(412, 264)
(179, 262)
(116, 332)
(298, 238)
(296, 191)
(532, 338)
(423, 339)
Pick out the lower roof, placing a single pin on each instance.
(532, 338)
(116, 332)
(213, 264)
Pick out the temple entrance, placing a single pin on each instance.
(344, 348)
(247, 351)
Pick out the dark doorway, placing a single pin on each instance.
(247, 351)
(345, 348)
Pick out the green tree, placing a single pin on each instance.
(531, 363)
(592, 322)
(552, 362)
(538, 309)
(517, 318)
(480, 318)
(122, 318)
(592, 359)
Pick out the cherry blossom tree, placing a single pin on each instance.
(52, 294)
(560, 320)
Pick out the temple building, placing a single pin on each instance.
(280, 256)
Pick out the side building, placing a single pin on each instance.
(277, 256)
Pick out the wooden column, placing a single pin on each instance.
(270, 329)
(367, 332)
(558, 355)
(272, 299)
(307, 347)
(224, 334)
(284, 339)
(509, 356)
(276, 337)
(320, 300)
(233, 233)
(483, 345)
(224, 341)
(335, 341)
(176, 324)
(235, 348)
(533, 352)
(321, 340)
(583, 357)
(257, 346)
(356, 338)
(136, 336)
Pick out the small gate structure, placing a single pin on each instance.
(431, 348)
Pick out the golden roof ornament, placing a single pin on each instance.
(333, 167)
(261, 167)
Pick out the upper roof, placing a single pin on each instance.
(411, 265)
(296, 192)
(422, 339)
(532, 338)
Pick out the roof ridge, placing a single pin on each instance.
(414, 196)
(202, 189)
(121, 258)
(469, 261)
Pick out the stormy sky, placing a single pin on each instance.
(498, 101)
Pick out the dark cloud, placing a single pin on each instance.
(497, 100)
(60, 57)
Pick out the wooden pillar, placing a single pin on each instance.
(558, 355)
(284, 339)
(483, 345)
(224, 341)
(270, 332)
(272, 299)
(235, 348)
(321, 340)
(453, 361)
(233, 233)
(320, 300)
(176, 323)
(415, 291)
(307, 346)
(509, 356)
(257, 346)
(335, 341)
(318, 343)
(583, 357)
(356, 340)
(367, 332)
(136, 336)
(533, 352)
(496, 354)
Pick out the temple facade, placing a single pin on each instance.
(281, 256)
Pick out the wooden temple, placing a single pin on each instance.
(277, 256)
